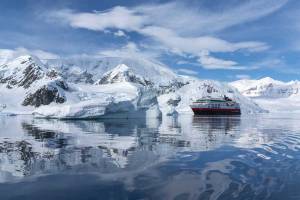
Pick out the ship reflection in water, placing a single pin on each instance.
(216, 157)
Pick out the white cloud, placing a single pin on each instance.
(120, 33)
(9, 54)
(188, 19)
(271, 63)
(173, 15)
(141, 20)
(180, 28)
(187, 71)
(209, 62)
(243, 76)
(5, 55)
(44, 55)
(195, 45)
(117, 17)
(130, 50)
(185, 62)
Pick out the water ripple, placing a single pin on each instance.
(186, 157)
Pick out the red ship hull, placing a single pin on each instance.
(217, 111)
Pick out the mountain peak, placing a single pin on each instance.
(268, 80)
(121, 68)
(22, 71)
(266, 87)
(27, 59)
(98, 66)
(122, 73)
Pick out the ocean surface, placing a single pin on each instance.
(248, 157)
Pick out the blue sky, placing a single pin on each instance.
(216, 39)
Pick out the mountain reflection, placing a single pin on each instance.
(210, 156)
(48, 146)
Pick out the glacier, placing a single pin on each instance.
(103, 87)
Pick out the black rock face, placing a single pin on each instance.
(31, 74)
(62, 84)
(44, 96)
(172, 87)
(42, 86)
(174, 102)
(209, 88)
(52, 74)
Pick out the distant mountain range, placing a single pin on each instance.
(270, 94)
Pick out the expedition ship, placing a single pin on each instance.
(216, 106)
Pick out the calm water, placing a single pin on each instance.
(255, 157)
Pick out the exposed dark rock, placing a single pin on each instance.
(122, 73)
(174, 102)
(62, 84)
(44, 96)
(28, 71)
(172, 87)
(209, 88)
(52, 74)
(124, 76)
(30, 74)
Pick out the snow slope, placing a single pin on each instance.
(266, 87)
(122, 73)
(89, 69)
(29, 87)
(203, 88)
(86, 87)
(270, 94)
(25, 83)
(118, 100)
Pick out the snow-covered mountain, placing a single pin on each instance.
(196, 89)
(90, 69)
(122, 73)
(26, 82)
(267, 87)
(271, 94)
(28, 86)
(102, 87)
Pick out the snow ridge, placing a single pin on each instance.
(91, 69)
(270, 94)
(267, 87)
(122, 73)
(96, 88)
